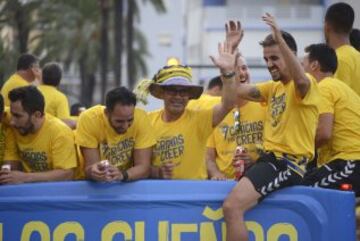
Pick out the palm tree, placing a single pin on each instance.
(135, 57)
(118, 36)
(79, 42)
(129, 42)
(104, 41)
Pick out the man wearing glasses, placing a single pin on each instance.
(181, 133)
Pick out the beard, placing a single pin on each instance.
(27, 129)
(276, 76)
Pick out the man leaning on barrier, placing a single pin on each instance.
(116, 139)
(44, 147)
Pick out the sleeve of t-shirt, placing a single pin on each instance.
(203, 118)
(10, 150)
(86, 129)
(328, 99)
(210, 143)
(63, 111)
(145, 137)
(343, 72)
(312, 96)
(63, 150)
(265, 89)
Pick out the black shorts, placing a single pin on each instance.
(269, 174)
(334, 174)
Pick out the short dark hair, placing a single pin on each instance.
(1, 106)
(216, 81)
(355, 38)
(75, 109)
(341, 17)
(26, 61)
(289, 39)
(51, 74)
(30, 97)
(119, 95)
(325, 55)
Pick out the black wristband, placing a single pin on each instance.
(125, 175)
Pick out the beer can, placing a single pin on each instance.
(105, 163)
(6, 167)
(239, 167)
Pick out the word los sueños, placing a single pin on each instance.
(205, 230)
(211, 230)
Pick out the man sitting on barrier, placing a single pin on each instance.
(116, 139)
(338, 133)
(44, 144)
(292, 100)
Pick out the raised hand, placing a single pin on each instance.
(271, 21)
(234, 34)
(226, 58)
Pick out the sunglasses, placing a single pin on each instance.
(174, 91)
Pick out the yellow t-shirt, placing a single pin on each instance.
(13, 82)
(95, 131)
(225, 137)
(51, 147)
(291, 122)
(205, 101)
(183, 142)
(348, 69)
(341, 101)
(56, 102)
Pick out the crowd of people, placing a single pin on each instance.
(300, 128)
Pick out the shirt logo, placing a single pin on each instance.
(277, 107)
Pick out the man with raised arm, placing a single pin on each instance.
(181, 133)
(291, 119)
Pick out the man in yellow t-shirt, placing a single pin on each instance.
(292, 100)
(243, 126)
(56, 103)
(27, 71)
(339, 19)
(338, 133)
(44, 144)
(210, 98)
(118, 133)
(181, 133)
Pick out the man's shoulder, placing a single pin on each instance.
(347, 53)
(93, 112)
(14, 81)
(139, 112)
(55, 125)
(155, 113)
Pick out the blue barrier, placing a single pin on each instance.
(167, 211)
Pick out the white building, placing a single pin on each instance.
(191, 30)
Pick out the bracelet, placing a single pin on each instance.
(125, 175)
(228, 75)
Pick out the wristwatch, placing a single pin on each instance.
(228, 75)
